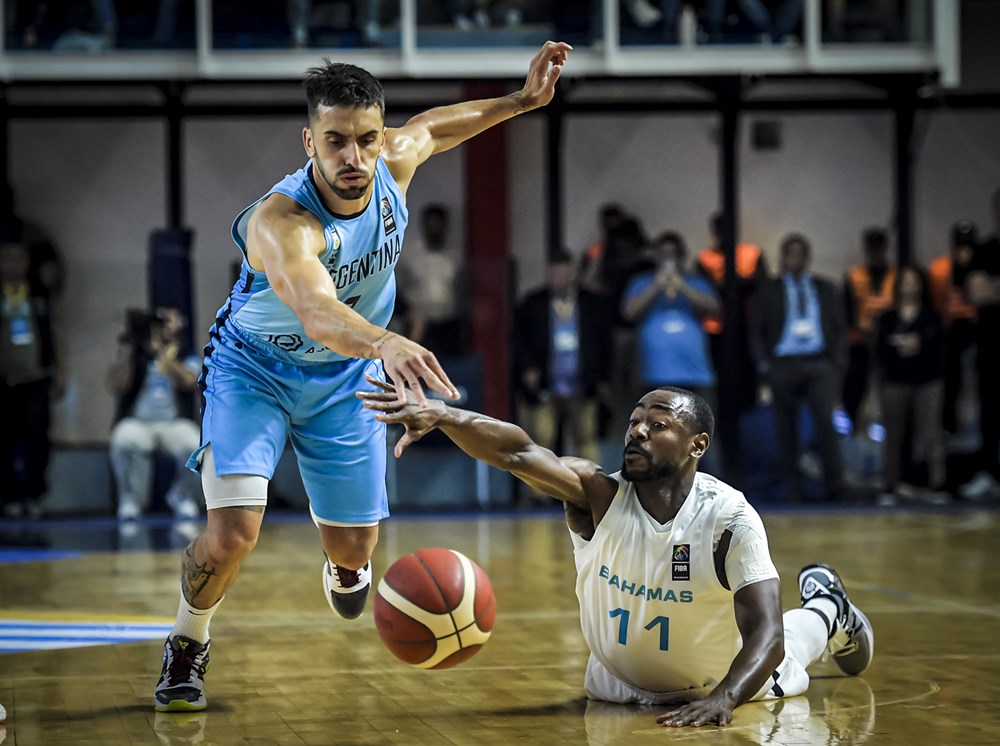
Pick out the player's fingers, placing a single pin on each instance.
(439, 380)
(382, 405)
(403, 442)
(384, 385)
(412, 383)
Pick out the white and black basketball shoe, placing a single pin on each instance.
(346, 590)
(182, 681)
(852, 640)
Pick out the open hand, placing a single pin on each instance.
(407, 363)
(398, 405)
(541, 82)
(708, 711)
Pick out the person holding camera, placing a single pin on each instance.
(668, 304)
(154, 381)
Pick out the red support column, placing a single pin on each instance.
(486, 247)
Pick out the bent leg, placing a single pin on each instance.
(806, 636)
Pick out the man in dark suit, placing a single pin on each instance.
(797, 337)
(562, 353)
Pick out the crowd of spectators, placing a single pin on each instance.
(878, 360)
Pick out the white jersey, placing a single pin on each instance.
(652, 609)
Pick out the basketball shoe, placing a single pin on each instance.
(852, 642)
(182, 681)
(346, 590)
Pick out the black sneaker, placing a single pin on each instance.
(182, 681)
(346, 590)
(852, 642)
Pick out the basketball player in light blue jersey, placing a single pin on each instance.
(679, 598)
(302, 328)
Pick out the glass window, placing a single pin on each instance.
(877, 21)
(305, 24)
(96, 26)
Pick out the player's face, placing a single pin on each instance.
(345, 143)
(658, 440)
(13, 262)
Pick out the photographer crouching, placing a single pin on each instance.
(154, 382)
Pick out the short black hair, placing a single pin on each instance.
(676, 239)
(926, 299)
(560, 256)
(435, 210)
(341, 84)
(701, 420)
(796, 238)
(875, 238)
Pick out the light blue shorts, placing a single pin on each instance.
(257, 397)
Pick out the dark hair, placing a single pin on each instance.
(676, 239)
(560, 256)
(798, 238)
(341, 84)
(435, 210)
(963, 233)
(875, 238)
(926, 301)
(701, 420)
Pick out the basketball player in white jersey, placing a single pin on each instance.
(679, 598)
(301, 329)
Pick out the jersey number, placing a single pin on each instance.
(661, 621)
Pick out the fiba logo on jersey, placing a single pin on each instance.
(388, 221)
(680, 564)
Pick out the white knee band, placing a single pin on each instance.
(231, 490)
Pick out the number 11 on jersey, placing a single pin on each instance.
(661, 621)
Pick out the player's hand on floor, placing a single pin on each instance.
(417, 419)
(407, 363)
(708, 711)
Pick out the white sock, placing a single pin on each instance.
(805, 636)
(827, 608)
(192, 622)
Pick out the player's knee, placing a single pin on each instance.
(228, 545)
(350, 549)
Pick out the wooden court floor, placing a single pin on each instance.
(284, 671)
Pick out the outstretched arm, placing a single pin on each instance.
(500, 444)
(287, 242)
(758, 616)
(444, 127)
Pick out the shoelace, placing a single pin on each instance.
(182, 662)
(348, 578)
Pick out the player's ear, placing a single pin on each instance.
(699, 444)
(307, 141)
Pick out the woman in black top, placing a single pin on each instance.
(909, 353)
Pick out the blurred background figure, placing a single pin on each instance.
(909, 360)
(429, 278)
(154, 380)
(46, 267)
(30, 375)
(609, 218)
(867, 293)
(729, 340)
(470, 14)
(797, 336)
(982, 288)
(668, 304)
(948, 273)
(304, 14)
(64, 25)
(563, 360)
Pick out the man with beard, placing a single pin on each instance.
(302, 328)
(679, 598)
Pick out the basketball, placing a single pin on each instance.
(434, 608)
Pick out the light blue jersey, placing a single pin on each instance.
(266, 383)
(360, 253)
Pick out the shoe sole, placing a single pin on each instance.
(180, 705)
(866, 624)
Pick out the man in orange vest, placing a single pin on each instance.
(737, 377)
(948, 273)
(868, 291)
